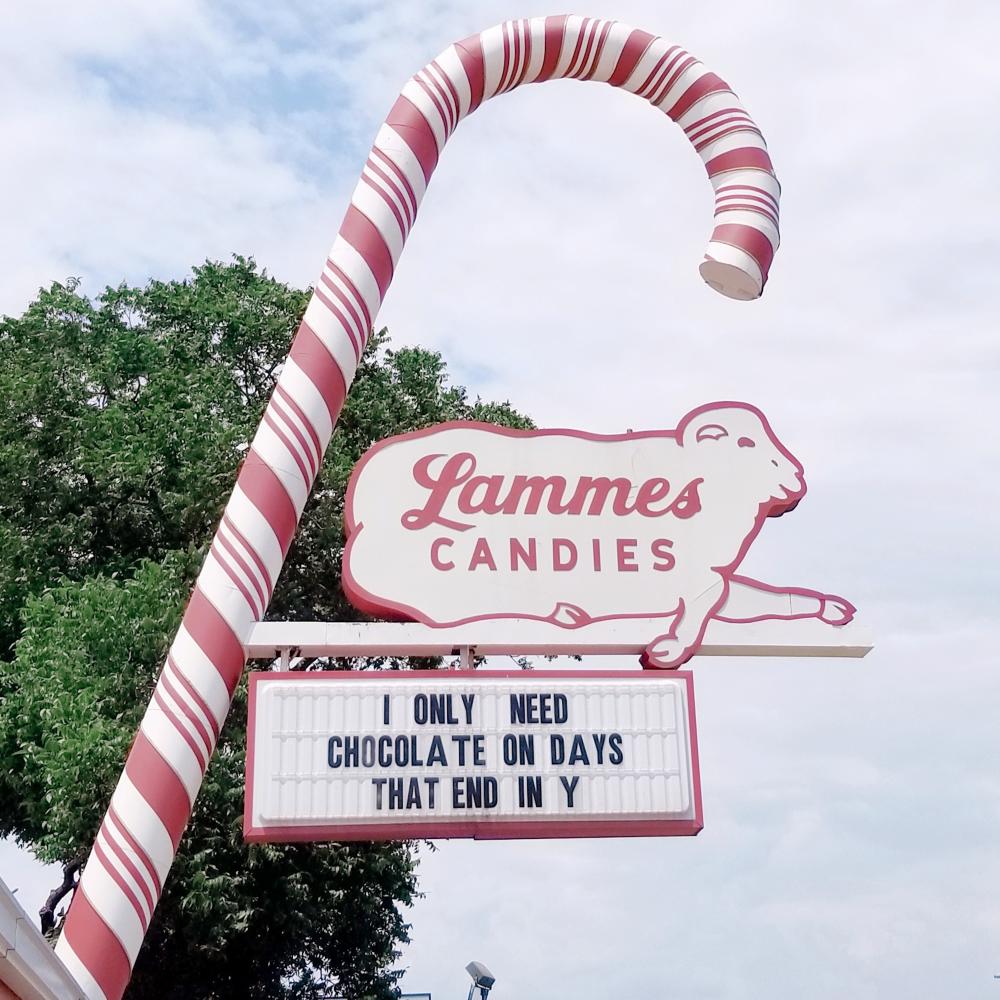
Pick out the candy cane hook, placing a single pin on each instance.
(152, 802)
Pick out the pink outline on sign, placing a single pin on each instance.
(843, 610)
(478, 829)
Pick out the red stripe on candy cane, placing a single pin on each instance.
(751, 241)
(700, 89)
(120, 826)
(265, 492)
(750, 157)
(97, 947)
(601, 42)
(159, 784)
(408, 121)
(555, 34)
(194, 698)
(635, 48)
(470, 54)
(111, 867)
(214, 638)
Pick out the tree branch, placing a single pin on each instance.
(48, 912)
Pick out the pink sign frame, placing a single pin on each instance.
(478, 829)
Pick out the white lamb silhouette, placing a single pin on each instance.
(741, 473)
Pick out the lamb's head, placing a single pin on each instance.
(736, 438)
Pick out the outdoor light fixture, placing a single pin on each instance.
(482, 981)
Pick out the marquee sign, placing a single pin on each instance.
(467, 522)
(384, 755)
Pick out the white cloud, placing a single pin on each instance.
(850, 807)
(30, 880)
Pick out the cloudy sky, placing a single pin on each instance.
(852, 808)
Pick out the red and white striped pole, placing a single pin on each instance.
(149, 809)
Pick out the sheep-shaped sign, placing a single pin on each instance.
(467, 522)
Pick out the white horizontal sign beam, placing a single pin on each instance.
(370, 755)
(523, 637)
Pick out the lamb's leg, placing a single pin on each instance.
(667, 652)
(752, 601)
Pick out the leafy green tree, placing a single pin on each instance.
(123, 422)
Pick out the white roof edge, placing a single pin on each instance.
(28, 965)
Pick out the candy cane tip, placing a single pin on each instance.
(731, 281)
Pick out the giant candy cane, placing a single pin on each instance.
(151, 804)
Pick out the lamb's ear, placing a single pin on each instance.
(710, 432)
